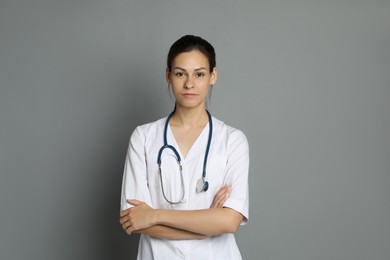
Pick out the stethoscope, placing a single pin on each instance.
(202, 184)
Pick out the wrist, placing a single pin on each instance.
(156, 217)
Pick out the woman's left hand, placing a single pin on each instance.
(221, 196)
(138, 217)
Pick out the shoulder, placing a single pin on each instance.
(151, 126)
(149, 129)
(227, 131)
(229, 135)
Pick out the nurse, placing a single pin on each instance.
(185, 182)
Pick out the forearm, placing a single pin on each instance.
(170, 233)
(208, 222)
(181, 224)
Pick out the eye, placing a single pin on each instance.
(200, 75)
(179, 74)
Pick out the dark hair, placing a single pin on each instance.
(189, 43)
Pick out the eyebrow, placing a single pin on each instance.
(198, 69)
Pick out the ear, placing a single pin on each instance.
(213, 77)
(168, 76)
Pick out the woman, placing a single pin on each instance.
(185, 183)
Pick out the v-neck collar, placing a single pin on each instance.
(197, 142)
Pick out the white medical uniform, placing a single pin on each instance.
(228, 163)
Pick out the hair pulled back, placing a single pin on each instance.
(189, 43)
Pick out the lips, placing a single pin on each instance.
(189, 94)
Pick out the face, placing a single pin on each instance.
(190, 79)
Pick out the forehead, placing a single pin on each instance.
(192, 59)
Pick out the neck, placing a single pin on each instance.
(190, 117)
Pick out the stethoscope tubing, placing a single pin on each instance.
(168, 146)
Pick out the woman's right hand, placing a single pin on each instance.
(221, 196)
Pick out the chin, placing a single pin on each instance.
(191, 106)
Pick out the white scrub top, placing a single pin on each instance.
(228, 163)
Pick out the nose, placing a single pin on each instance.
(189, 83)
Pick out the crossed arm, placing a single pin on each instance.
(181, 224)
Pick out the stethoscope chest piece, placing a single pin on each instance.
(202, 185)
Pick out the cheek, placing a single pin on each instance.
(177, 83)
(176, 86)
(175, 89)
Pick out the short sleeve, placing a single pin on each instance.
(134, 183)
(237, 171)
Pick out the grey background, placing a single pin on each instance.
(307, 81)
